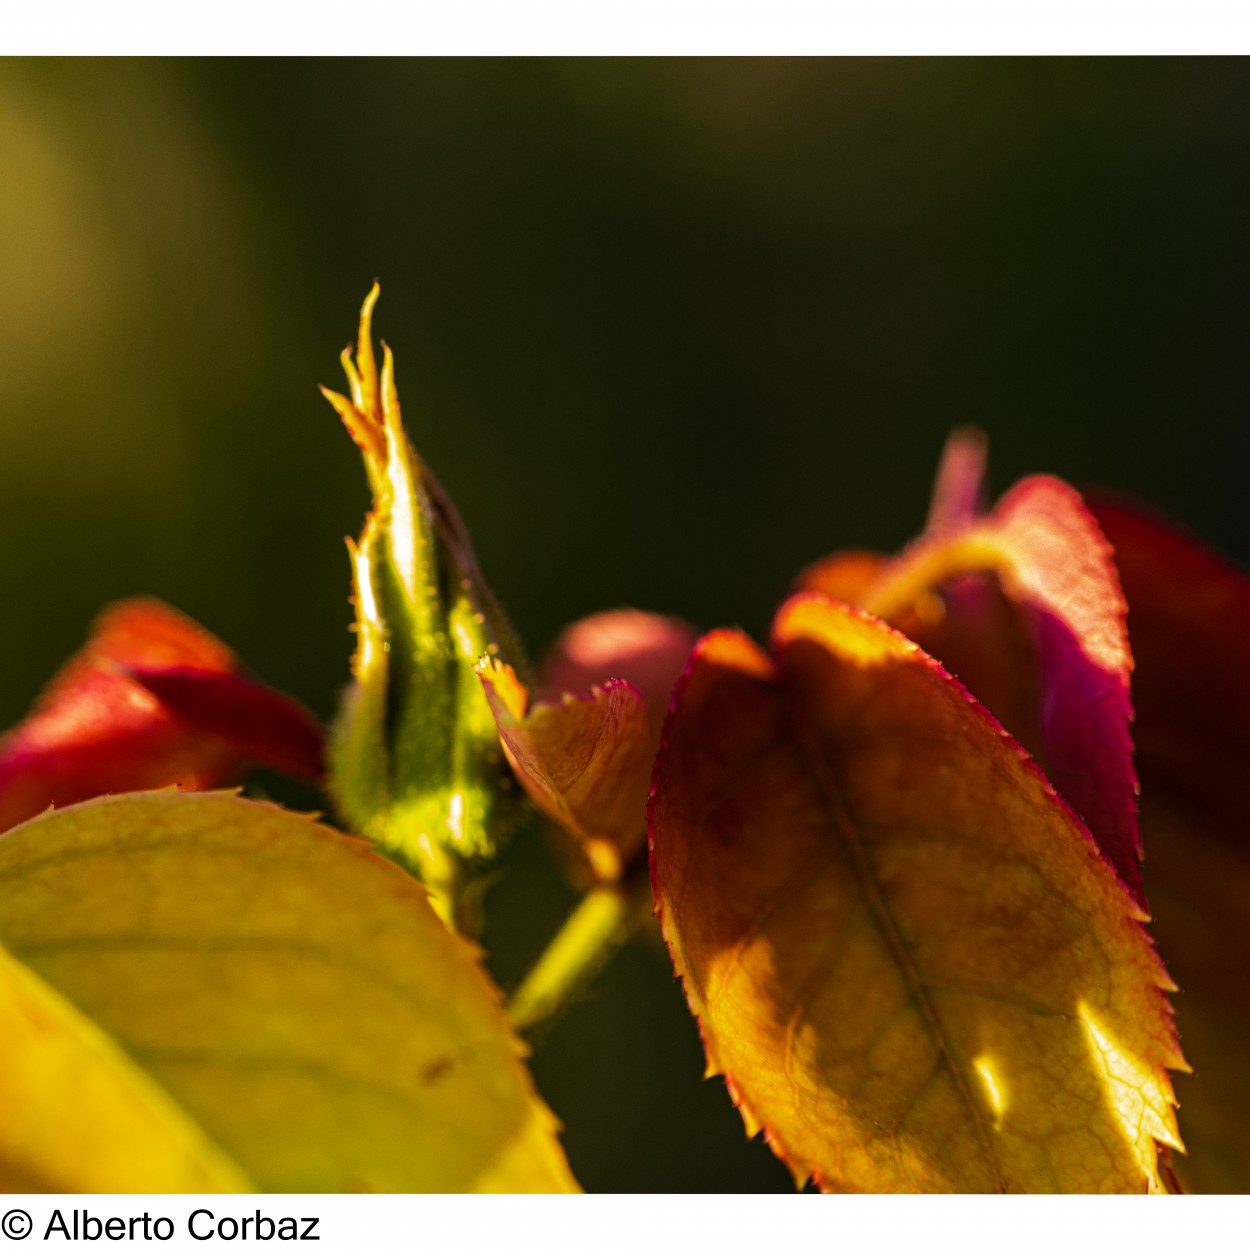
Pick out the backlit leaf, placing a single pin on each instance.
(907, 957)
(292, 991)
(79, 1115)
(585, 761)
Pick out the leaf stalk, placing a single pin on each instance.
(595, 930)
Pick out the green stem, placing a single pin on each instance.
(443, 875)
(597, 927)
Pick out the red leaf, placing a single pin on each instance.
(1063, 576)
(1188, 614)
(259, 724)
(103, 726)
(1189, 610)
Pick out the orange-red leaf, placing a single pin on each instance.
(152, 700)
(585, 761)
(906, 955)
(583, 747)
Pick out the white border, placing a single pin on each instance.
(626, 27)
(629, 1222)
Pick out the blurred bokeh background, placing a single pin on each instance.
(667, 330)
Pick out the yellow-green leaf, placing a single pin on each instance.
(906, 955)
(291, 990)
(79, 1115)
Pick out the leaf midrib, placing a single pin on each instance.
(829, 792)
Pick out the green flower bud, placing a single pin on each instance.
(415, 759)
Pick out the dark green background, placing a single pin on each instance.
(668, 330)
